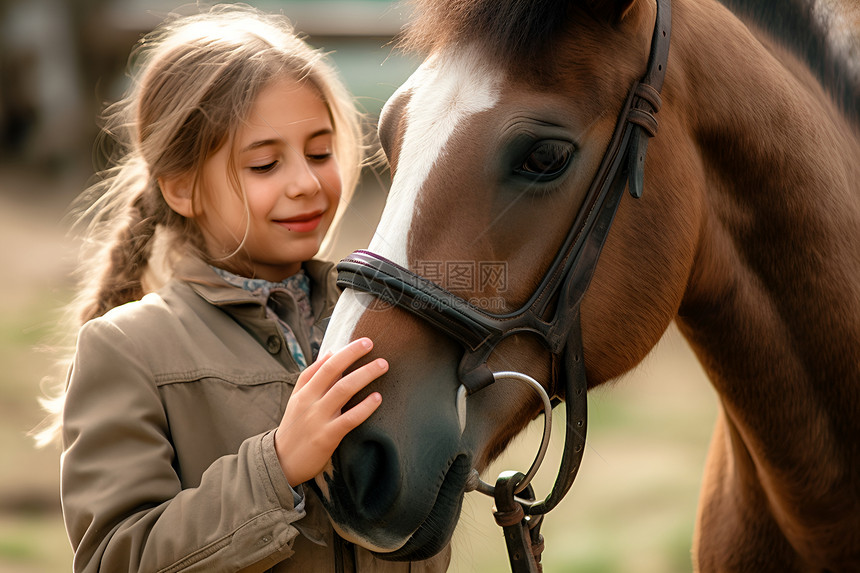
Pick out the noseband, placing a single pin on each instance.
(558, 296)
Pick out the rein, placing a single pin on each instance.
(559, 295)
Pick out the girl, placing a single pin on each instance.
(187, 426)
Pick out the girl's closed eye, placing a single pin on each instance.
(320, 155)
(319, 148)
(265, 167)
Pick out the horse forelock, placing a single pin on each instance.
(507, 30)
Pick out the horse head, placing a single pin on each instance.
(494, 144)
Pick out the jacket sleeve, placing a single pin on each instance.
(123, 504)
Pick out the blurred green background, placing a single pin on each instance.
(633, 505)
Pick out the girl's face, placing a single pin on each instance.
(284, 157)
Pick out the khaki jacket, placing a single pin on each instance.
(169, 461)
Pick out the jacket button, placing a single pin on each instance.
(273, 344)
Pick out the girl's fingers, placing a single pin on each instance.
(309, 372)
(349, 385)
(353, 417)
(314, 423)
(332, 369)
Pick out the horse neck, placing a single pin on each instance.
(773, 302)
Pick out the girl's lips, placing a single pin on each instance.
(302, 223)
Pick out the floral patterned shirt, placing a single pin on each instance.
(298, 288)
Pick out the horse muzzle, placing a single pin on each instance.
(396, 483)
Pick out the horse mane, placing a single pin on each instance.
(508, 30)
(811, 30)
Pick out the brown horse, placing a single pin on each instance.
(747, 234)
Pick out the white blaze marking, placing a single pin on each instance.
(446, 90)
(346, 313)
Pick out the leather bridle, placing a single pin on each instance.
(558, 296)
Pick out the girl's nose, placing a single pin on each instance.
(303, 179)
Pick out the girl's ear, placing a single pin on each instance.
(178, 193)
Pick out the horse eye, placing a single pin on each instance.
(546, 160)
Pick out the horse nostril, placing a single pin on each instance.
(372, 475)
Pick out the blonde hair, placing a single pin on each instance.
(194, 80)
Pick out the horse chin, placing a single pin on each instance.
(431, 536)
(436, 530)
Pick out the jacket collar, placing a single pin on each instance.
(215, 290)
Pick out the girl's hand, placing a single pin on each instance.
(313, 424)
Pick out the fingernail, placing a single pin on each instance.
(382, 363)
(366, 342)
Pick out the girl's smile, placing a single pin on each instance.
(302, 223)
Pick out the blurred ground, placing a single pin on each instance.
(34, 287)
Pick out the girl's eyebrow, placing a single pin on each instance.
(265, 142)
